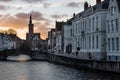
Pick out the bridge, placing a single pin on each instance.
(35, 55)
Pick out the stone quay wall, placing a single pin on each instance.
(102, 65)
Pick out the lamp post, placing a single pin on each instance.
(78, 48)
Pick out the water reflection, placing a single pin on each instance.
(19, 58)
(47, 71)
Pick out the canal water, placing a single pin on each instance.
(40, 70)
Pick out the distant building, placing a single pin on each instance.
(33, 38)
(18, 42)
(49, 41)
(67, 35)
(9, 41)
(1, 43)
(59, 36)
(53, 41)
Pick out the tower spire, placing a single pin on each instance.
(31, 26)
(30, 22)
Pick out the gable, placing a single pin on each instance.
(36, 37)
(118, 2)
(114, 6)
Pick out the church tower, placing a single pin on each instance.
(31, 26)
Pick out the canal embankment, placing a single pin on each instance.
(102, 65)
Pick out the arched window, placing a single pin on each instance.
(97, 43)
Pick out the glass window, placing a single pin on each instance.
(85, 43)
(97, 21)
(116, 25)
(85, 25)
(97, 43)
(89, 42)
(89, 24)
(71, 32)
(112, 25)
(108, 24)
(93, 23)
(117, 44)
(76, 28)
(112, 10)
(113, 44)
(93, 42)
(108, 44)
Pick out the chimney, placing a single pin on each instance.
(73, 15)
(86, 5)
(98, 1)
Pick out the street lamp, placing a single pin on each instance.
(78, 49)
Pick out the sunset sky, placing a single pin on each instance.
(14, 14)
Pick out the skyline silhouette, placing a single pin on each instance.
(15, 14)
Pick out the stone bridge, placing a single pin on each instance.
(35, 55)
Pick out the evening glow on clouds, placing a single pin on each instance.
(14, 14)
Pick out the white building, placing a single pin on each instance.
(89, 31)
(7, 42)
(113, 30)
(53, 41)
(67, 31)
(58, 42)
(49, 42)
(95, 32)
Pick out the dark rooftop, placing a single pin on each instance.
(59, 25)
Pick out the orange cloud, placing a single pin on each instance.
(13, 22)
(20, 21)
(43, 28)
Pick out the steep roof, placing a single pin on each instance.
(69, 22)
(59, 25)
(32, 36)
(36, 36)
(101, 6)
(118, 1)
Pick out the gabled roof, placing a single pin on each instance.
(101, 6)
(59, 25)
(69, 22)
(32, 36)
(36, 37)
(118, 1)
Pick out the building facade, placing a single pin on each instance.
(34, 39)
(59, 37)
(9, 41)
(89, 32)
(67, 31)
(53, 41)
(113, 30)
(95, 32)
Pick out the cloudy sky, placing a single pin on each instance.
(14, 14)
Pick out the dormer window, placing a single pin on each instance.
(113, 10)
